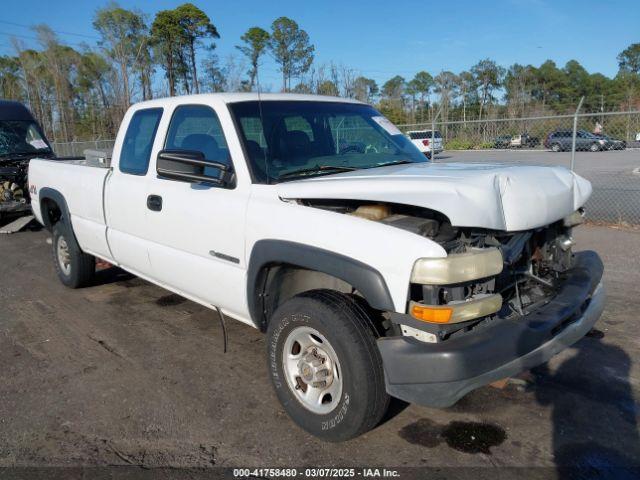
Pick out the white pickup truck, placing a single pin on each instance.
(426, 141)
(373, 271)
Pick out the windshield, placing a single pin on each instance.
(21, 137)
(285, 140)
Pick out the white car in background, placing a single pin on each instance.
(424, 141)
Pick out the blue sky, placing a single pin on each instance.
(383, 38)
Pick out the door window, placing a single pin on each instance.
(197, 127)
(138, 141)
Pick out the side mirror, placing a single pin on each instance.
(189, 166)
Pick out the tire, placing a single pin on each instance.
(594, 147)
(342, 333)
(75, 268)
(556, 147)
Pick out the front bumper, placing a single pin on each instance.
(439, 374)
(12, 207)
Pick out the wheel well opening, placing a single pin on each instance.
(279, 282)
(51, 212)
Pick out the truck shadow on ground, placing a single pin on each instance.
(594, 414)
(111, 275)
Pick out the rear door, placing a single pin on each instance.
(583, 140)
(125, 191)
(567, 139)
(197, 245)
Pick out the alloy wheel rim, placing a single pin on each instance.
(312, 370)
(64, 257)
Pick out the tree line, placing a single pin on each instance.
(488, 90)
(82, 92)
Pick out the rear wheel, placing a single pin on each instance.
(325, 366)
(556, 147)
(75, 268)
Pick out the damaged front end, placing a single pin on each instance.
(486, 273)
(14, 189)
(505, 302)
(504, 275)
(497, 304)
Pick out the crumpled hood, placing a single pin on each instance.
(499, 197)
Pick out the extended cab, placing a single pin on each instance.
(373, 272)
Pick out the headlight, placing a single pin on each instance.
(458, 267)
(601, 142)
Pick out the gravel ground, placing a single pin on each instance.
(126, 374)
(615, 176)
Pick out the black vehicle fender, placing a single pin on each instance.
(48, 193)
(364, 278)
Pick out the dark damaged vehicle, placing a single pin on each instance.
(21, 139)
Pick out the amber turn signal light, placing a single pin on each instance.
(456, 312)
(431, 314)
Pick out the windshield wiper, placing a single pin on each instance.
(399, 162)
(317, 169)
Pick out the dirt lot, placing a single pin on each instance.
(124, 373)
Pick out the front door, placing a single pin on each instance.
(198, 231)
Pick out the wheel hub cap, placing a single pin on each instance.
(312, 370)
(315, 368)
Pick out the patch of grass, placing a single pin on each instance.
(457, 144)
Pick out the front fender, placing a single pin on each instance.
(364, 278)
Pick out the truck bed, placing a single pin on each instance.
(81, 184)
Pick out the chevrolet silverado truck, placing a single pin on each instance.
(374, 272)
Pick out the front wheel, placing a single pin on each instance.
(594, 147)
(325, 366)
(556, 147)
(75, 268)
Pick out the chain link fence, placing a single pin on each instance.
(616, 129)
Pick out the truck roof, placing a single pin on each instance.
(11, 110)
(245, 97)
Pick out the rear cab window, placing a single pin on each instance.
(138, 141)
